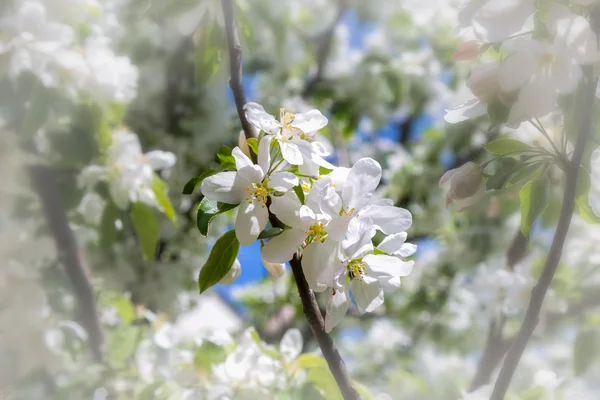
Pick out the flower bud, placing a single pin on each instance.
(467, 51)
(234, 272)
(483, 81)
(466, 186)
(243, 144)
(275, 270)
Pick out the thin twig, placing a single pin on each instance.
(585, 102)
(309, 302)
(44, 182)
(235, 67)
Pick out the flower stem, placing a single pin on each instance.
(585, 104)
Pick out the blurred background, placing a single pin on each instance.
(99, 297)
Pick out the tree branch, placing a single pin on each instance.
(585, 102)
(44, 182)
(317, 326)
(309, 302)
(235, 68)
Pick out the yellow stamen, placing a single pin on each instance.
(356, 269)
(316, 232)
(258, 192)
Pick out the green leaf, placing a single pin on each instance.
(497, 112)
(534, 200)
(208, 210)
(224, 155)
(584, 350)
(270, 233)
(364, 392)
(307, 360)
(253, 144)
(122, 343)
(124, 307)
(324, 171)
(108, 228)
(505, 146)
(527, 173)
(161, 191)
(506, 167)
(585, 210)
(300, 193)
(321, 377)
(377, 251)
(146, 228)
(193, 183)
(208, 52)
(219, 262)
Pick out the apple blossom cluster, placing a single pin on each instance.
(128, 172)
(328, 216)
(63, 46)
(532, 53)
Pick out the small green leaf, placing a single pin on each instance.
(534, 200)
(224, 155)
(377, 251)
(270, 233)
(220, 260)
(584, 350)
(497, 112)
(306, 360)
(193, 183)
(506, 167)
(585, 210)
(108, 228)
(208, 210)
(324, 171)
(122, 343)
(146, 228)
(505, 146)
(300, 193)
(161, 191)
(525, 174)
(253, 144)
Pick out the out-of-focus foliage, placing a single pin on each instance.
(99, 86)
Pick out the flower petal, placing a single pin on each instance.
(320, 263)
(282, 181)
(357, 242)
(362, 181)
(258, 117)
(291, 153)
(310, 121)
(387, 266)
(286, 208)
(281, 248)
(469, 109)
(336, 308)
(367, 293)
(160, 160)
(251, 219)
(264, 153)
(388, 219)
(392, 243)
(226, 187)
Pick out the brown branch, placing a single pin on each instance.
(309, 302)
(323, 43)
(44, 182)
(317, 326)
(585, 103)
(235, 67)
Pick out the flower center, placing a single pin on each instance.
(305, 187)
(258, 192)
(347, 212)
(356, 269)
(316, 232)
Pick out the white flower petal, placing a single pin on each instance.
(407, 250)
(470, 109)
(258, 117)
(291, 153)
(338, 176)
(251, 219)
(160, 160)
(310, 121)
(367, 293)
(232, 275)
(91, 175)
(320, 263)
(291, 344)
(387, 266)
(287, 208)
(281, 248)
(388, 219)
(357, 242)
(226, 187)
(361, 182)
(119, 193)
(241, 160)
(336, 308)
(392, 243)
(282, 181)
(264, 153)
